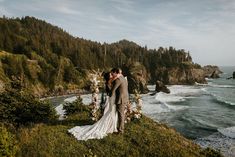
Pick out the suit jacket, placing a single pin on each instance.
(120, 88)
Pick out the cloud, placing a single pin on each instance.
(3, 11)
(110, 19)
(67, 10)
(124, 6)
(123, 2)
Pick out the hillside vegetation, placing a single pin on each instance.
(49, 60)
(30, 128)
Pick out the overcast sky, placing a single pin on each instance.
(205, 28)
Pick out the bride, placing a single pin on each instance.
(108, 122)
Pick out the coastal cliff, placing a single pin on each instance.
(179, 75)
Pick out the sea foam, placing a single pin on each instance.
(70, 99)
(229, 132)
(220, 86)
(220, 142)
(60, 112)
(59, 109)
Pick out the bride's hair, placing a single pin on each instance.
(107, 76)
(107, 81)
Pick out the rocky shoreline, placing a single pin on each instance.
(189, 75)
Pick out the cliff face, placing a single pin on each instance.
(137, 77)
(185, 76)
(178, 75)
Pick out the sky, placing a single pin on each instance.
(205, 28)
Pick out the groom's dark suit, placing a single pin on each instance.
(120, 88)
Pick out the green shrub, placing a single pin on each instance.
(8, 145)
(21, 107)
(74, 107)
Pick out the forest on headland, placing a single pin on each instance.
(47, 59)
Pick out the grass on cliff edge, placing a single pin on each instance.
(142, 137)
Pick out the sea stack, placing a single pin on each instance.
(160, 87)
(212, 71)
(234, 75)
(215, 74)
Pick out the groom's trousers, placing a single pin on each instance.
(121, 116)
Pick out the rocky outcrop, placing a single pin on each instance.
(212, 71)
(215, 74)
(160, 87)
(179, 75)
(233, 77)
(137, 77)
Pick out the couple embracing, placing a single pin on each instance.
(113, 118)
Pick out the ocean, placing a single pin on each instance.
(203, 113)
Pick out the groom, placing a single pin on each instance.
(120, 88)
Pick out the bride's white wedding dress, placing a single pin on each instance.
(107, 124)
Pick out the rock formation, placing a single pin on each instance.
(160, 87)
(136, 76)
(215, 74)
(232, 77)
(178, 75)
(212, 71)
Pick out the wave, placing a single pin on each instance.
(170, 108)
(220, 86)
(179, 93)
(162, 97)
(205, 124)
(219, 142)
(151, 87)
(152, 108)
(70, 99)
(209, 79)
(204, 89)
(60, 111)
(221, 100)
(184, 90)
(86, 99)
(221, 96)
(229, 132)
(200, 84)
